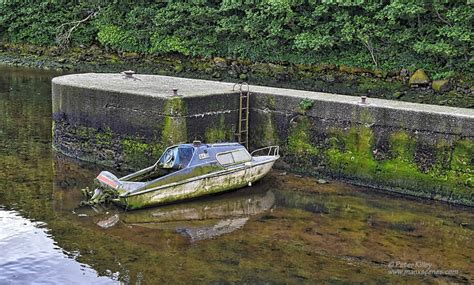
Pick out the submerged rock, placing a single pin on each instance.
(440, 85)
(109, 222)
(220, 228)
(419, 78)
(321, 181)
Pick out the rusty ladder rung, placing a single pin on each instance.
(244, 105)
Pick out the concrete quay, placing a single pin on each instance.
(125, 122)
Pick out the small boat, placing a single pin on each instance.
(187, 171)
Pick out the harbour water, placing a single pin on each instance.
(284, 230)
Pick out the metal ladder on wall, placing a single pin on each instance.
(242, 134)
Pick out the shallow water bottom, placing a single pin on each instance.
(285, 229)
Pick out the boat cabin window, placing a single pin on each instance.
(241, 156)
(225, 158)
(176, 157)
(233, 157)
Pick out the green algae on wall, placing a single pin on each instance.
(174, 128)
(104, 138)
(219, 133)
(351, 155)
(351, 152)
(462, 165)
(264, 133)
(299, 144)
(138, 153)
(263, 127)
(106, 147)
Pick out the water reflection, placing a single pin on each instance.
(285, 229)
(29, 255)
(209, 218)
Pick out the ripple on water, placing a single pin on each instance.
(29, 255)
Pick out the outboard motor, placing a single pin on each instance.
(107, 179)
(106, 184)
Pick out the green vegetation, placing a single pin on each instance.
(306, 104)
(219, 133)
(174, 129)
(135, 152)
(299, 142)
(434, 35)
(352, 154)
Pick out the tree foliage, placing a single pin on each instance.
(437, 35)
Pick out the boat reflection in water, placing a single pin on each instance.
(200, 219)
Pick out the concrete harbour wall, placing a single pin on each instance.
(422, 150)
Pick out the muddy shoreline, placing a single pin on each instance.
(327, 78)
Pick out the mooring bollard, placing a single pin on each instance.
(128, 73)
(175, 92)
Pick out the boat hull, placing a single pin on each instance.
(213, 183)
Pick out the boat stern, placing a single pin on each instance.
(106, 188)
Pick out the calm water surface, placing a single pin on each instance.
(285, 229)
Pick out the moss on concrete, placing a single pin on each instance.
(135, 152)
(140, 152)
(264, 132)
(174, 128)
(299, 142)
(271, 102)
(462, 164)
(351, 154)
(219, 132)
(104, 138)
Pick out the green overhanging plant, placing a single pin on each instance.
(306, 104)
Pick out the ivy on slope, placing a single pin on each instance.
(436, 35)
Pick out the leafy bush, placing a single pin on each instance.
(435, 35)
(306, 104)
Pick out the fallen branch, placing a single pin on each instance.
(369, 46)
(441, 18)
(64, 37)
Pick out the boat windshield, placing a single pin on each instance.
(233, 157)
(176, 157)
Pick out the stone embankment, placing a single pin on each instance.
(408, 85)
(421, 150)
